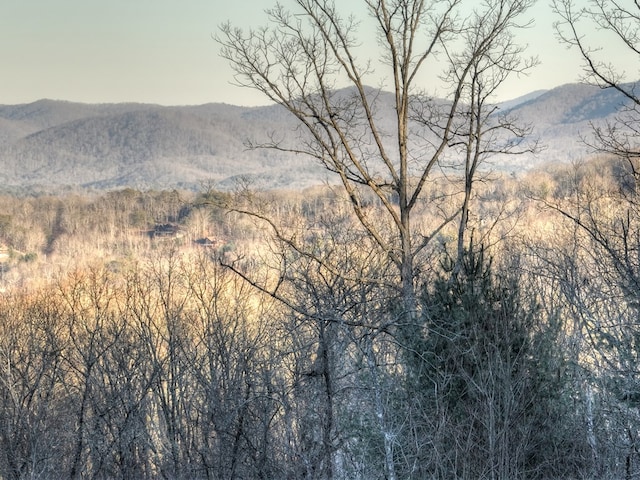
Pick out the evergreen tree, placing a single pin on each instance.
(487, 378)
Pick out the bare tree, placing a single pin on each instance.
(388, 148)
(405, 161)
(35, 426)
(618, 27)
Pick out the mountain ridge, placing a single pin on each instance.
(55, 143)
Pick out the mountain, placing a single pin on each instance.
(511, 104)
(143, 146)
(562, 118)
(50, 144)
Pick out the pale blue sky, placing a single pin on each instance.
(162, 51)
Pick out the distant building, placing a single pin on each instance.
(207, 242)
(166, 230)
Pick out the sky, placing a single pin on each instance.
(163, 51)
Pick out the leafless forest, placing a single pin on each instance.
(167, 334)
(422, 316)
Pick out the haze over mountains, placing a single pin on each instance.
(52, 144)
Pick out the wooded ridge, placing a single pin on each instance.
(49, 144)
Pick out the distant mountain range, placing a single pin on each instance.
(51, 144)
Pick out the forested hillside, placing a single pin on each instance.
(60, 144)
(56, 144)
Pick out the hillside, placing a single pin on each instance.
(52, 143)
(562, 117)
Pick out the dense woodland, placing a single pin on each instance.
(229, 346)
